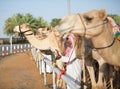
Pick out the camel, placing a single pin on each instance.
(85, 25)
(45, 41)
(95, 26)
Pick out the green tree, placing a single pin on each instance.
(19, 19)
(10, 23)
(54, 22)
(38, 23)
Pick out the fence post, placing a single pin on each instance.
(40, 62)
(45, 79)
(40, 66)
(18, 48)
(11, 44)
(53, 74)
(37, 58)
(28, 47)
(54, 77)
(3, 50)
(14, 48)
(7, 50)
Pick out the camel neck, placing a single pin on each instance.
(105, 39)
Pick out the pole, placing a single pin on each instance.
(10, 44)
(68, 2)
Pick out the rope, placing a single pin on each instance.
(83, 48)
(83, 58)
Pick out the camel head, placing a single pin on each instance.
(85, 24)
(22, 28)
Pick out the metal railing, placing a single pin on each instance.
(36, 54)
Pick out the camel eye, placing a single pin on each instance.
(88, 19)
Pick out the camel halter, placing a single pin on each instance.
(24, 32)
(85, 28)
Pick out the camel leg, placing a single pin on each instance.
(96, 56)
(92, 76)
(111, 83)
(100, 83)
(109, 77)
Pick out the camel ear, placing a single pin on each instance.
(103, 14)
(27, 25)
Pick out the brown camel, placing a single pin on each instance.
(94, 25)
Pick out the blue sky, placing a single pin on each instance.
(49, 9)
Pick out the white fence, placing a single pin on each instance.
(7, 49)
(47, 62)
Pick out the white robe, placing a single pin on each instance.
(74, 68)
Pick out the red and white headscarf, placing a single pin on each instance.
(114, 25)
(69, 49)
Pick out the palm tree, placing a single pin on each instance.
(38, 23)
(55, 22)
(19, 19)
(11, 23)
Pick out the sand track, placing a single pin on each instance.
(19, 72)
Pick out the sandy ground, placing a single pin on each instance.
(19, 72)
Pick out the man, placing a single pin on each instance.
(73, 64)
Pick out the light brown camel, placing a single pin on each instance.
(94, 25)
(84, 25)
(45, 41)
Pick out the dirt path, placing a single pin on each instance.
(19, 72)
